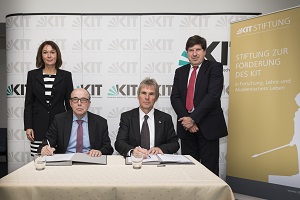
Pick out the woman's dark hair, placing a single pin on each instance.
(39, 57)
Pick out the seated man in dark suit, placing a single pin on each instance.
(145, 129)
(78, 130)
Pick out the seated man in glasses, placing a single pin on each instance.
(78, 130)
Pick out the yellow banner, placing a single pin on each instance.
(264, 109)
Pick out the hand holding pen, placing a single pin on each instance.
(139, 149)
(47, 150)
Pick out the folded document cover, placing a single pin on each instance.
(74, 158)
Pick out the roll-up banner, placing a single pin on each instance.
(109, 55)
(264, 106)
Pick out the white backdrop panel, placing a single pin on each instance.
(109, 55)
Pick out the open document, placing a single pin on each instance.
(163, 159)
(75, 158)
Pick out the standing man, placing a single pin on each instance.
(195, 97)
(78, 130)
(145, 129)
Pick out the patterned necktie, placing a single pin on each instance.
(79, 143)
(190, 90)
(145, 134)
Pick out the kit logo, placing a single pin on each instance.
(16, 134)
(18, 67)
(225, 21)
(165, 90)
(184, 59)
(19, 157)
(88, 67)
(159, 45)
(159, 21)
(88, 45)
(93, 89)
(225, 91)
(60, 42)
(51, 21)
(96, 110)
(123, 67)
(113, 135)
(91, 21)
(18, 44)
(17, 22)
(18, 89)
(224, 140)
(116, 112)
(123, 90)
(159, 67)
(123, 44)
(77, 22)
(124, 21)
(78, 68)
(245, 29)
(224, 53)
(195, 21)
(15, 112)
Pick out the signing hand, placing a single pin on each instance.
(47, 150)
(139, 150)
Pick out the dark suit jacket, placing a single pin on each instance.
(129, 135)
(37, 113)
(59, 133)
(208, 113)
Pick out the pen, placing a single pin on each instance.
(148, 156)
(49, 144)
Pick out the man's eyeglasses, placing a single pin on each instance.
(82, 100)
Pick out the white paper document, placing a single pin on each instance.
(171, 158)
(163, 159)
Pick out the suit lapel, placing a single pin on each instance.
(39, 77)
(68, 128)
(92, 129)
(136, 126)
(200, 75)
(185, 75)
(58, 78)
(158, 127)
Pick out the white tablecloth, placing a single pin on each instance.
(114, 181)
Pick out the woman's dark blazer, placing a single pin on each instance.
(37, 113)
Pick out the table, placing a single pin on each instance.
(114, 181)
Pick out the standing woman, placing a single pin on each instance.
(48, 92)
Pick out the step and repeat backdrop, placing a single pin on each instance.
(264, 118)
(109, 55)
